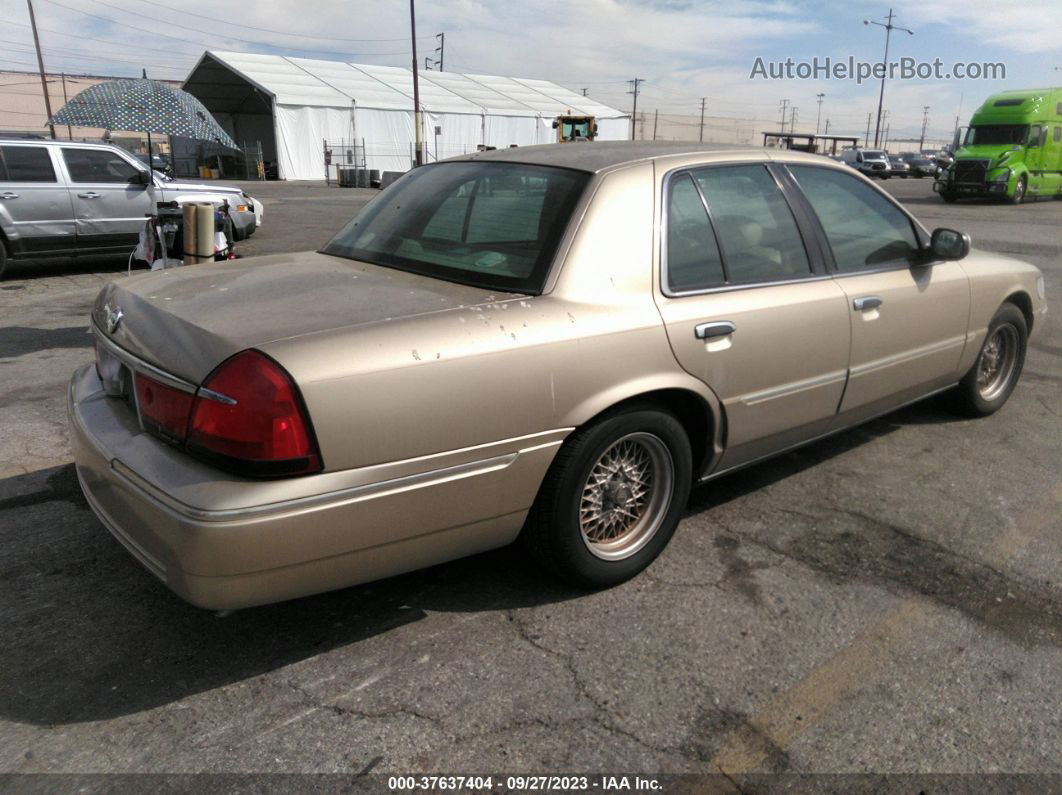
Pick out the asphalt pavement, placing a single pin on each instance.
(886, 600)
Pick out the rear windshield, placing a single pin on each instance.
(493, 225)
(997, 134)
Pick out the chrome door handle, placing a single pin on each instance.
(89, 195)
(719, 328)
(867, 302)
(8, 195)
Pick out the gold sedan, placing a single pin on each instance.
(547, 343)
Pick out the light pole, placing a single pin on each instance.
(818, 117)
(419, 157)
(889, 27)
(925, 121)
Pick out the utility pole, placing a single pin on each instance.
(427, 63)
(885, 140)
(925, 121)
(703, 100)
(818, 116)
(827, 130)
(584, 90)
(889, 27)
(69, 132)
(440, 49)
(792, 119)
(40, 63)
(656, 118)
(634, 111)
(866, 138)
(419, 157)
(784, 103)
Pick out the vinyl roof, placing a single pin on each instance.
(336, 84)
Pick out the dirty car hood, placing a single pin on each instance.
(188, 320)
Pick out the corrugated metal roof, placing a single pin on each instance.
(336, 84)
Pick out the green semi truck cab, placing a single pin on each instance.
(1012, 149)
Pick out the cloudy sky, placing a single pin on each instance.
(683, 49)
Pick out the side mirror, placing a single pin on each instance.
(141, 178)
(949, 244)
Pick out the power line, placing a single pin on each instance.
(270, 30)
(111, 21)
(76, 55)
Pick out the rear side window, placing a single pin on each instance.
(98, 165)
(756, 229)
(865, 230)
(693, 259)
(28, 164)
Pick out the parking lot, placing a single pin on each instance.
(886, 600)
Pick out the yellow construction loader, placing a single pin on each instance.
(575, 128)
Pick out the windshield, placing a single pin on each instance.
(493, 225)
(996, 134)
(873, 154)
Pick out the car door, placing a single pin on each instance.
(35, 206)
(908, 313)
(110, 202)
(746, 310)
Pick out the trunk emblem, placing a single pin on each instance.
(113, 316)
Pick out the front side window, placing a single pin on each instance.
(27, 164)
(493, 225)
(864, 229)
(99, 165)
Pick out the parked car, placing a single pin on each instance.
(920, 165)
(61, 198)
(869, 162)
(552, 343)
(898, 167)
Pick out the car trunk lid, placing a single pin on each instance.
(187, 320)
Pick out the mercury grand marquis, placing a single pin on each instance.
(551, 344)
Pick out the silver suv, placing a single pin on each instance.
(62, 198)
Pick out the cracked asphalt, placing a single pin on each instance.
(888, 600)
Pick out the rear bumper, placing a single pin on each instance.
(219, 542)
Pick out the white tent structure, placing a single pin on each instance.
(294, 105)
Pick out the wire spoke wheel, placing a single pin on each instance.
(995, 366)
(626, 496)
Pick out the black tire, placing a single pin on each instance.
(554, 534)
(3, 259)
(1019, 191)
(975, 398)
(949, 196)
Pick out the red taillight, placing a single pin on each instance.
(163, 409)
(248, 416)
